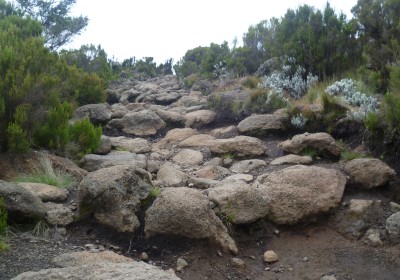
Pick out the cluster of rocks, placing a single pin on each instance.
(158, 159)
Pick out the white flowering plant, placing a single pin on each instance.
(293, 83)
(347, 89)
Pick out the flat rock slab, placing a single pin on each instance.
(292, 159)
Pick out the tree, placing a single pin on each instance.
(58, 27)
(379, 30)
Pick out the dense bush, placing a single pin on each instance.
(85, 136)
(38, 89)
(3, 216)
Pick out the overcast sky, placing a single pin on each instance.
(168, 28)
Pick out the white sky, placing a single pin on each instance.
(168, 28)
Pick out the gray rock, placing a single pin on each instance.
(105, 145)
(321, 142)
(142, 123)
(373, 237)
(98, 114)
(171, 176)
(240, 146)
(174, 136)
(181, 264)
(212, 172)
(225, 132)
(186, 212)
(245, 166)
(21, 202)
(358, 215)
(262, 124)
(292, 159)
(188, 157)
(202, 183)
(46, 192)
(57, 214)
(133, 145)
(238, 263)
(394, 207)
(114, 194)
(299, 192)
(393, 227)
(103, 270)
(239, 177)
(170, 117)
(238, 202)
(199, 118)
(93, 162)
(369, 173)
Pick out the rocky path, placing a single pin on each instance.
(192, 197)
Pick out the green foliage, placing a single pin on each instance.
(332, 108)
(90, 59)
(392, 110)
(349, 155)
(58, 26)
(17, 138)
(37, 86)
(373, 121)
(378, 29)
(310, 151)
(3, 216)
(86, 136)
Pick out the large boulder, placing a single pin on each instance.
(20, 202)
(134, 145)
(199, 118)
(104, 146)
(321, 142)
(114, 194)
(100, 266)
(98, 114)
(57, 214)
(186, 212)
(238, 202)
(262, 124)
(369, 173)
(142, 123)
(393, 227)
(91, 162)
(299, 192)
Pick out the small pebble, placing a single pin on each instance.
(305, 259)
(270, 256)
(144, 257)
(181, 264)
(238, 263)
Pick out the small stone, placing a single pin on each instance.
(267, 268)
(181, 264)
(238, 263)
(305, 259)
(191, 185)
(276, 232)
(144, 257)
(252, 257)
(270, 256)
(328, 277)
(219, 253)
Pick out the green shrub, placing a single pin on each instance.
(86, 136)
(349, 155)
(17, 138)
(373, 121)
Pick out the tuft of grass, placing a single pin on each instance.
(349, 155)
(155, 192)
(47, 175)
(3, 245)
(310, 151)
(41, 229)
(251, 82)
